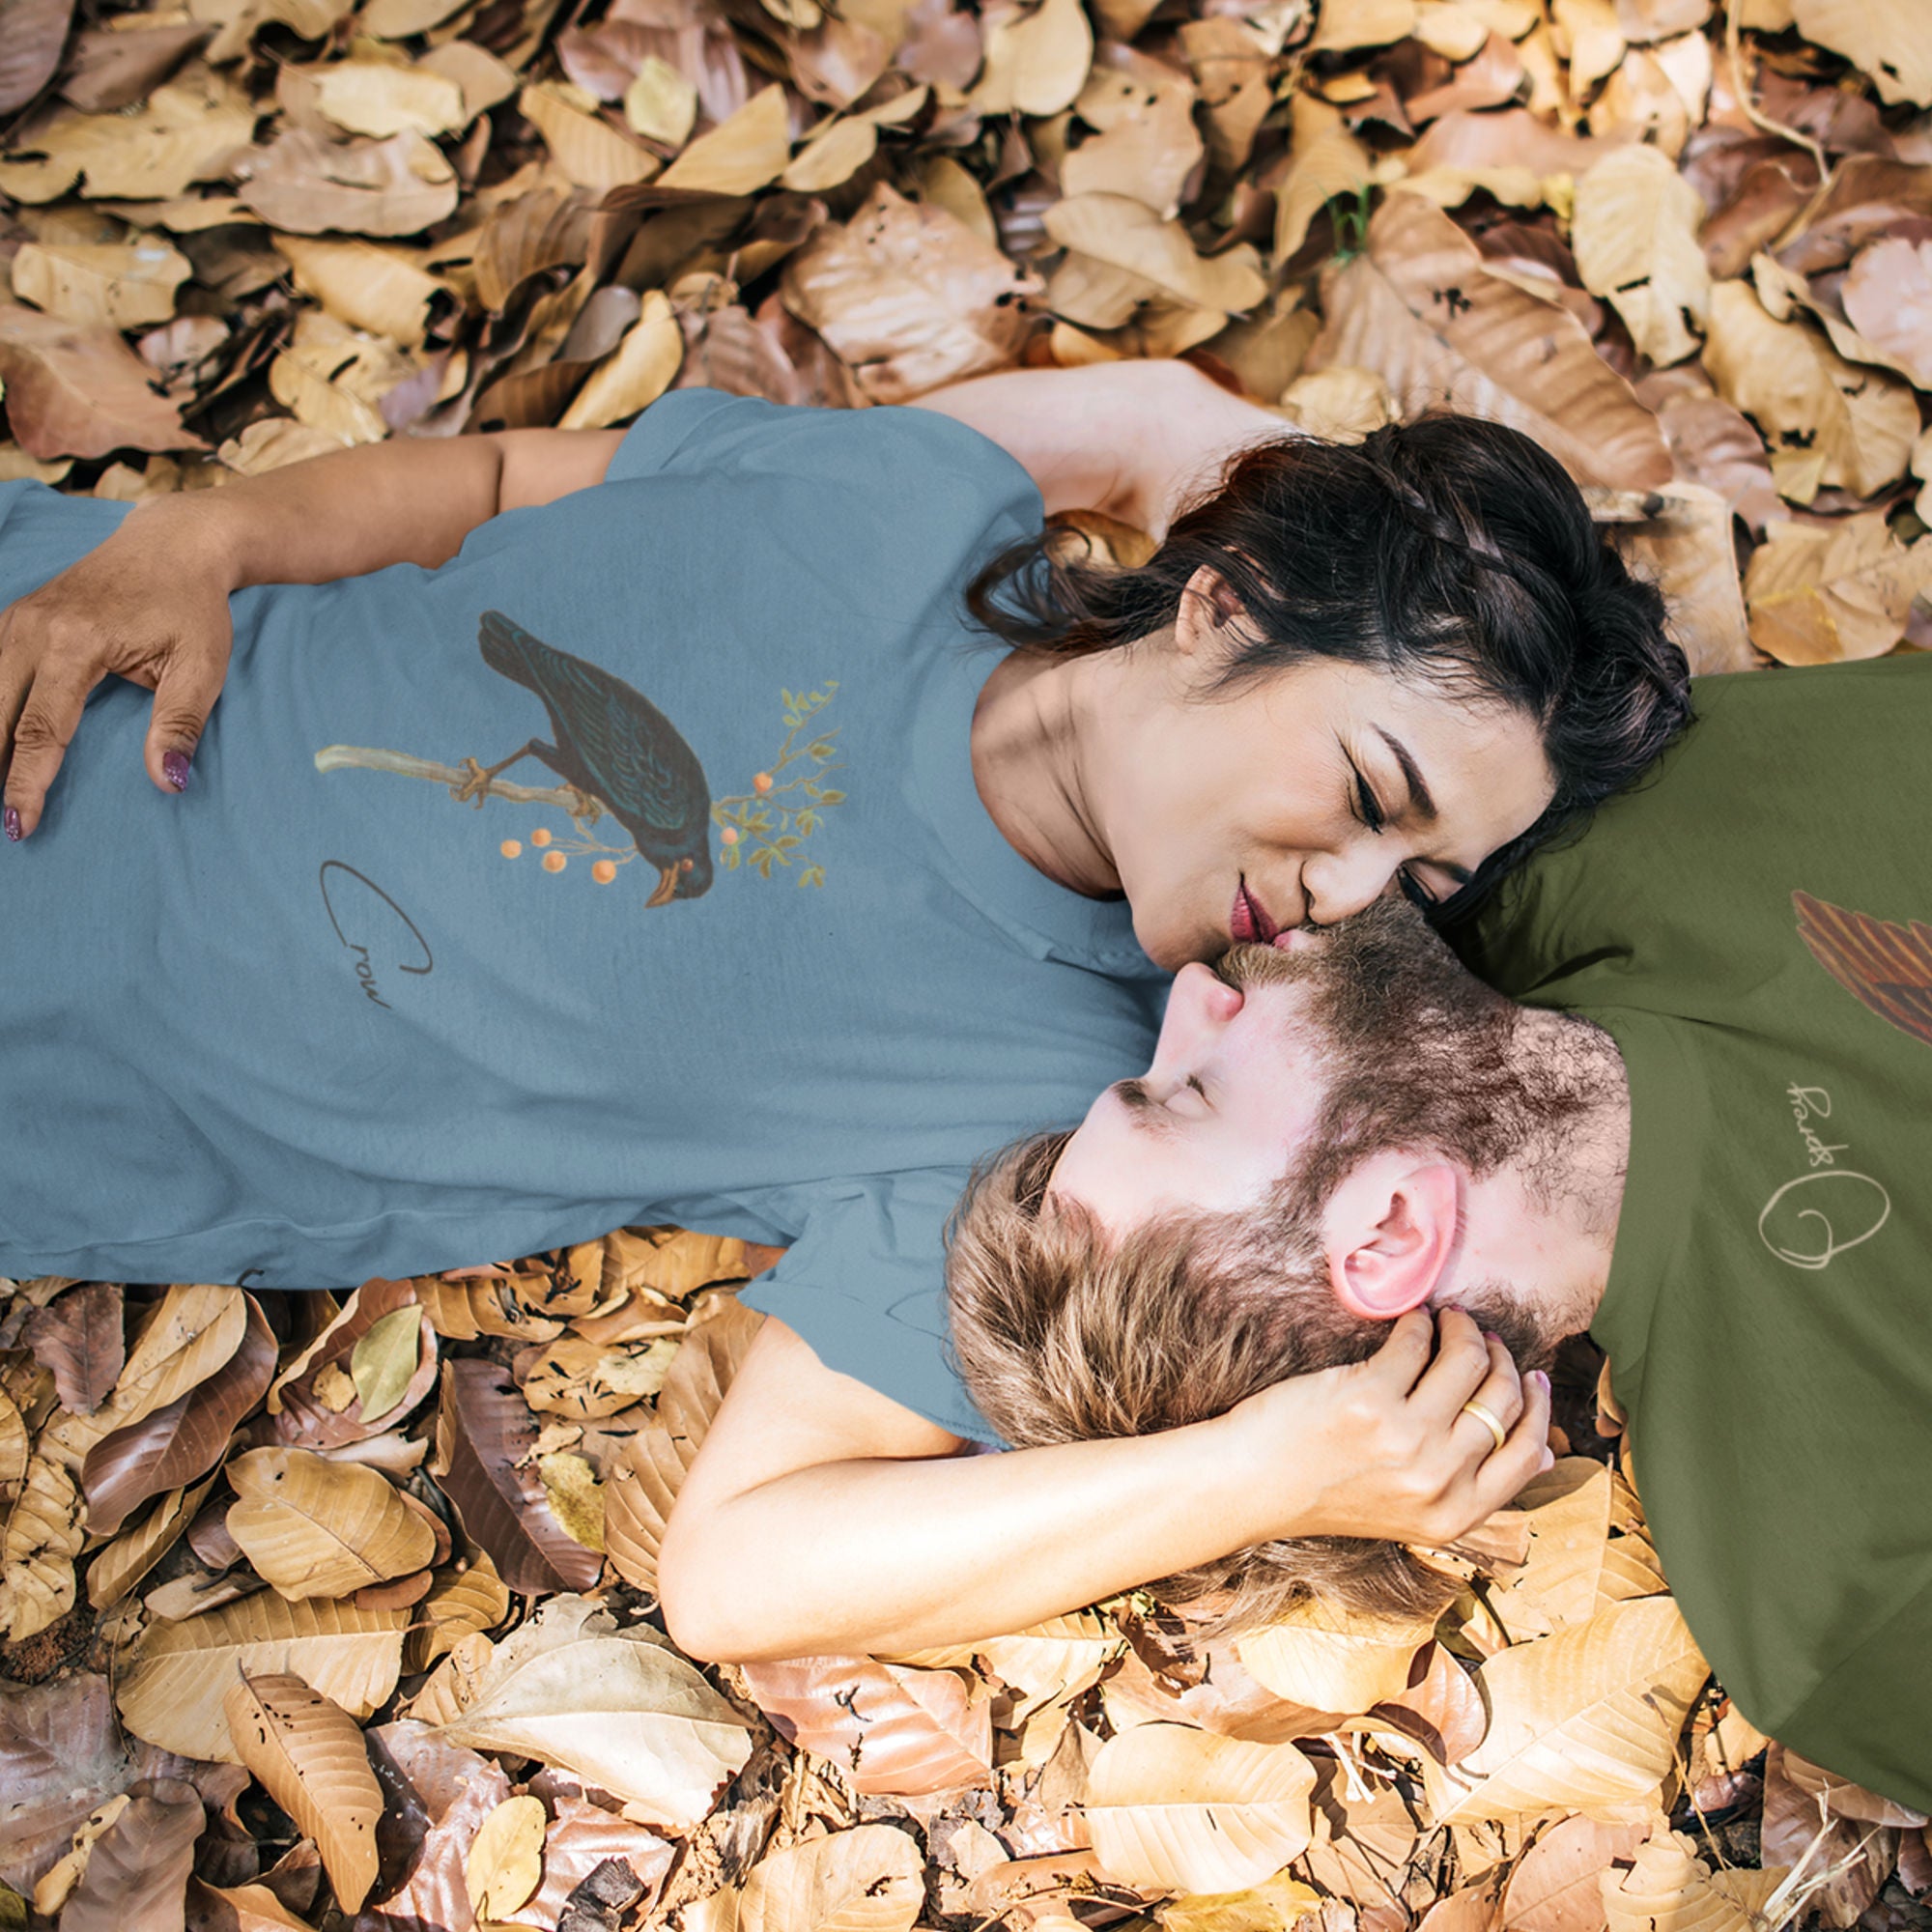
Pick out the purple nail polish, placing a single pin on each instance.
(11, 819)
(174, 768)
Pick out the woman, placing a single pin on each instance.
(472, 923)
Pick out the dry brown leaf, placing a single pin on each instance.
(638, 1498)
(469, 1598)
(1667, 1884)
(586, 147)
(1146, 147)
(483, 1437)
(1557, 1885)
(611, 1708)
(1888, 298)
(1586, 1717)
(81, 391)
(178, 1673)
(1363, 23)
(1686, 548)
(1325, 161)
(189, 130)
(77, 1337)
(13, 1449)
(32, 33)
(1175, 1809)
(42, 1540)
(1037, 59)
(60, 1879)
(115, 1571)
(582, 1842)
(446, 1792)
(1419, 309)
(178, 1446)
(1634, 232)
(311, 186)
(1817, 594)
(1714, 445)
(324, 354)
(1331, 1659)
(907, 297)
(1129, 237)
(238, 1908)
(1827, 422)
(744, 153)
(316, 1528)
(376, 289)
(125, 285)
(505, 1859)
(1889, 40)
(866, 1880)
(307, 1753)
(572, 1377)
(139, 1867)
(889, 1728)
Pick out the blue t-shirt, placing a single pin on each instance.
(755, 960)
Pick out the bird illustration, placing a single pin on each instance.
(1886, 967)
(613, 744)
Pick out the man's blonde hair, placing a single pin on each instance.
(1063, 1335)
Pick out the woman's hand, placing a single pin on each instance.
(1384, 1449)
(150, 605)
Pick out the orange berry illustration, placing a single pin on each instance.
(541, 837)
(512, 848)
(762, 782)
(730, 836)
(603, 871)
(555, 862)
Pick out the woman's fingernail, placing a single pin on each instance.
(11, 819)
(174, 768)
(1541, 1380)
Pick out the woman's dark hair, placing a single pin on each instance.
(1450, 549)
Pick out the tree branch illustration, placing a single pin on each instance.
(581, 805)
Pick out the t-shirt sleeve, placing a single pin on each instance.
(863, 1286)
(888, 457)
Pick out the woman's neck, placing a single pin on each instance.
(1033, 736)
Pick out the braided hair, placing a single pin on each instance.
(1449, 550)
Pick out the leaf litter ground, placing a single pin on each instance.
(325, 1613)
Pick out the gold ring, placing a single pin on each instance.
(1488, 1421)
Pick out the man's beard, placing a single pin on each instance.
(1418, 1056)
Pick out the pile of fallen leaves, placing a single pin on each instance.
(327, 1614)
(321, 1616)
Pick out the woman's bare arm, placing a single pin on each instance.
(151, 603)
(1132, 439)
(822, 1516)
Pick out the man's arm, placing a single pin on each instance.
(1132, 439)
(822, 1516)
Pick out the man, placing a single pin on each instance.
(1701, 1136)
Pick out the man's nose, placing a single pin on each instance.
(1199, 1005)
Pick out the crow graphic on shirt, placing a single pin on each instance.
(1886, 967)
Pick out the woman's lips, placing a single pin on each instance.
(1249, 922)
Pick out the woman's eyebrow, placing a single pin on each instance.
(1421, 802)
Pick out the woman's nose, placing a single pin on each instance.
(1341, 884)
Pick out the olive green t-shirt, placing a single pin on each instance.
(1753, 927)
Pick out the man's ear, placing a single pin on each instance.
(1207, 606)
(1388, 1232)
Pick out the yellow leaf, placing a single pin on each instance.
(1347, 24)
(505, 1858)
(44, 1537)
(742, 154)
(1036, 62)
(308, 1753)
(661, 103)
(1325, 160)
(834, 155)
(1344, 404)
(384, 97)
(1273, 1906)
(368, 287)
(52, 1891)
(1634, 232)
(590, 152)
(576, 1497)
(1173, 1808)
(1670, 1888)
(385, 1359)
(1130, 235)
(635, 375)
